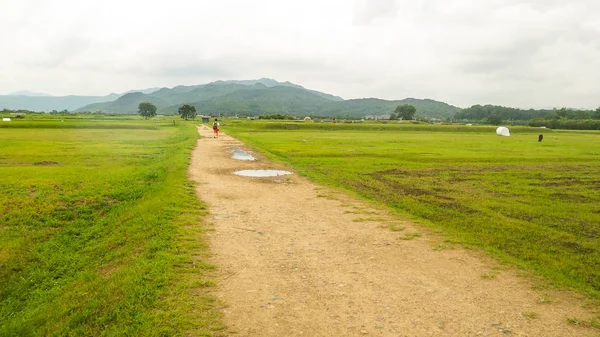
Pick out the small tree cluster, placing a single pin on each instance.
(404, 112)
(147, 109)
(187, 111)
(276, 116)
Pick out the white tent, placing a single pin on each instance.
(6, 119)
(502, 131)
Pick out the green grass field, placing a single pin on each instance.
(100, 230)
(531, 204)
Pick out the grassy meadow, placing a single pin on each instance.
(100, 230)
(528, 203)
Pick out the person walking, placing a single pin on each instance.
(215, 127)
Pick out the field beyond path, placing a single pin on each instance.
(298, 259)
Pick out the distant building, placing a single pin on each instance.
(378, 117)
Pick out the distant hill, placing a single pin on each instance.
(144, 91)
(224, 97)
(49, 103)
(264, 96)
(127, 104)
(27, 100)
(255, 100)
(27, 93)
(375, 106)
(236, 97)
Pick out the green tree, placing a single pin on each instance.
(563, 113)
(494, 119)
(187, 111)
(406, 111)
(147, 109)
(596, 114)
(393, 117)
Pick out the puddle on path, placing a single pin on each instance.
(261, 173)
(242, 155)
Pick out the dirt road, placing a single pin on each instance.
(297, 259)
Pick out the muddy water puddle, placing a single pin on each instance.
(242, 155)
(261, 173)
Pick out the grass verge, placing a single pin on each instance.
(101, 232)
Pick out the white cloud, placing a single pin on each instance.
(366, 11)
(534, 53)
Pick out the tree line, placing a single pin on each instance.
(496, 115)
(488, 114)
(148, 110)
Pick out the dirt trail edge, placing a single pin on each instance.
(297, 259)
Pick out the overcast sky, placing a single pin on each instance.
(522, 53)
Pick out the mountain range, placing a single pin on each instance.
(33, 101)
(248, 97)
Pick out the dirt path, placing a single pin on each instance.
(296, 259)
